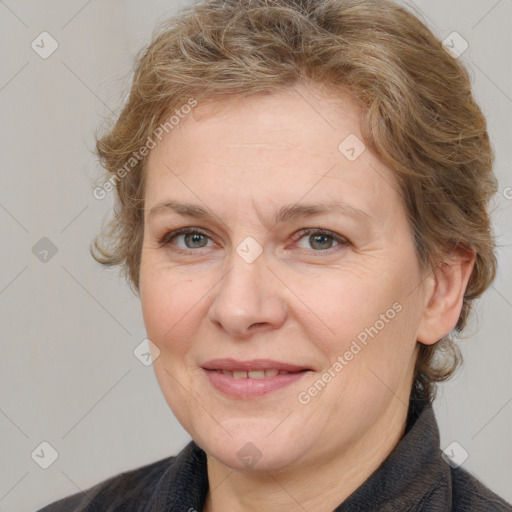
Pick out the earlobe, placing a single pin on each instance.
(445, 296)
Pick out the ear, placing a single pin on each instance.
(445, 289)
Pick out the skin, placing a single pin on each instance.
(301, 301)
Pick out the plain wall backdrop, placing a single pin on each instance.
(68, 375)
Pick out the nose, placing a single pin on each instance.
(248, 300)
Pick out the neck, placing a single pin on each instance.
(322, 485)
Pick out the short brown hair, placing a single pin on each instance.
(418, 116)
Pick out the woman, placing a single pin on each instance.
(302, 207)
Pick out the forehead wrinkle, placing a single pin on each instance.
(284, 214)
(294, 211)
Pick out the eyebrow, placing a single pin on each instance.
(285, 213)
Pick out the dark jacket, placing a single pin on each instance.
(414, 477)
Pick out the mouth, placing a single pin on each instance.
(255, 374)
(251, 379)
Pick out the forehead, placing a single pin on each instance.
(270, 149)
(302, 118)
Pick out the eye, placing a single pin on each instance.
(320, 239)
(192, 238)
(187, 239)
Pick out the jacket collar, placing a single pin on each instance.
(413, 477)
(183, 487)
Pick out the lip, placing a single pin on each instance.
(254, 364)
(251, 388)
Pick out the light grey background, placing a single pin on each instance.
(68, 375)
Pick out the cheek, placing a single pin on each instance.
(373, 314)
(171, 307)
(345, 302)
(372, 350)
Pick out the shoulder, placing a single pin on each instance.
(123, 492)
(469, 494)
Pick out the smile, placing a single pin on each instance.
(255, 374)
(251, 379)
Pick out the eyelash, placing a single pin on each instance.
(168, 237)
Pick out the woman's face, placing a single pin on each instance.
(299, 259)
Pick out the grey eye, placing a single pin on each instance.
(194, 240)
(318, 241)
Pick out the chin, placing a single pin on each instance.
(254, 444)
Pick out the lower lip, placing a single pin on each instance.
(250, 388)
